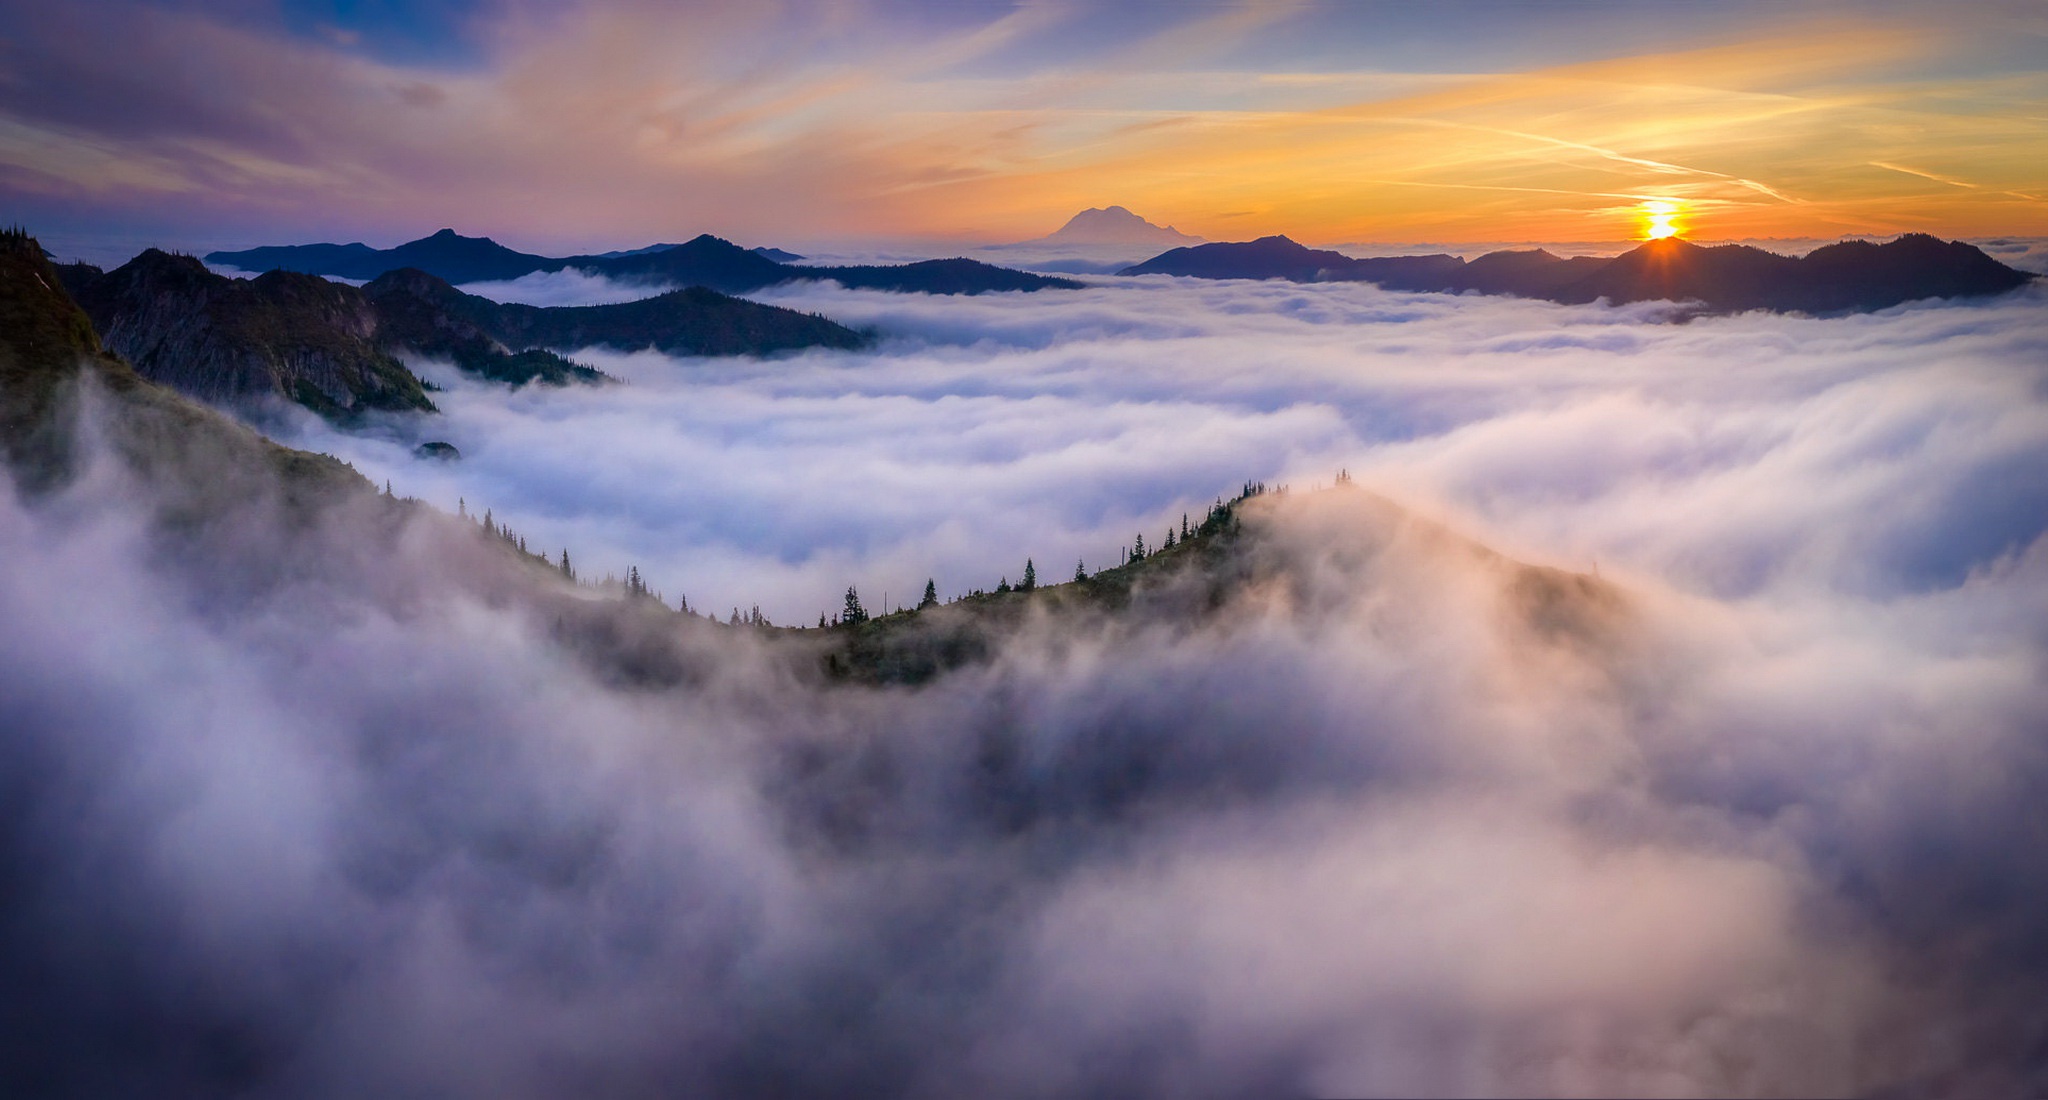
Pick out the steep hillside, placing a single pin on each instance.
(201, 464)
(282, 334)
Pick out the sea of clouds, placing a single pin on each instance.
(1777, 828)
(1057, 426)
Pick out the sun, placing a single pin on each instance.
(1659, 219)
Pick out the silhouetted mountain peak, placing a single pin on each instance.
(156, 259)
(1114, 225)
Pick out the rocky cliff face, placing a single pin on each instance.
(229, 341)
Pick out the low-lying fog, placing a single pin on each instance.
(1782, 832)
(1725, 455)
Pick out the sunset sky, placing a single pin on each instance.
(604, 124)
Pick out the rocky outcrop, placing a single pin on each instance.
(236, 342)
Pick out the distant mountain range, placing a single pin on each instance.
(1839, 278)
(705, 261)
(332, 347)
(1111, 226)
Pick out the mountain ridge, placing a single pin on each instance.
(284, 334)
(332, 347)
(1849, 276)
(705, 260)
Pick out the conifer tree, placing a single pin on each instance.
(931, 595)
(1030, 582)
(1138, 548)
(489, 528)
(1080, 570)
(1183, 527)
(462, 507)
(854, 614)
(567, 570)
(1169, 538)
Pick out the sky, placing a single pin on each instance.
(219, 123)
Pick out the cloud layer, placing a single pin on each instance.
(1771, 824)
(1059, 425)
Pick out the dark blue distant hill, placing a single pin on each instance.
(1281, 258)
(1839, 278)
(705, 261)
(448, 254)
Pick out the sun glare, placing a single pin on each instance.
(1658, 219)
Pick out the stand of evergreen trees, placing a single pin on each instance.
(1221, 517)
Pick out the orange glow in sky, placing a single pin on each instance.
(605, 125)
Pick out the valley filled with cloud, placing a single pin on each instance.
(1731, 788)
(1723, 455)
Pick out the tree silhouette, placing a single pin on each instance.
(931, 595)
(854, 613)
(1080, 570)
(1030, 581)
